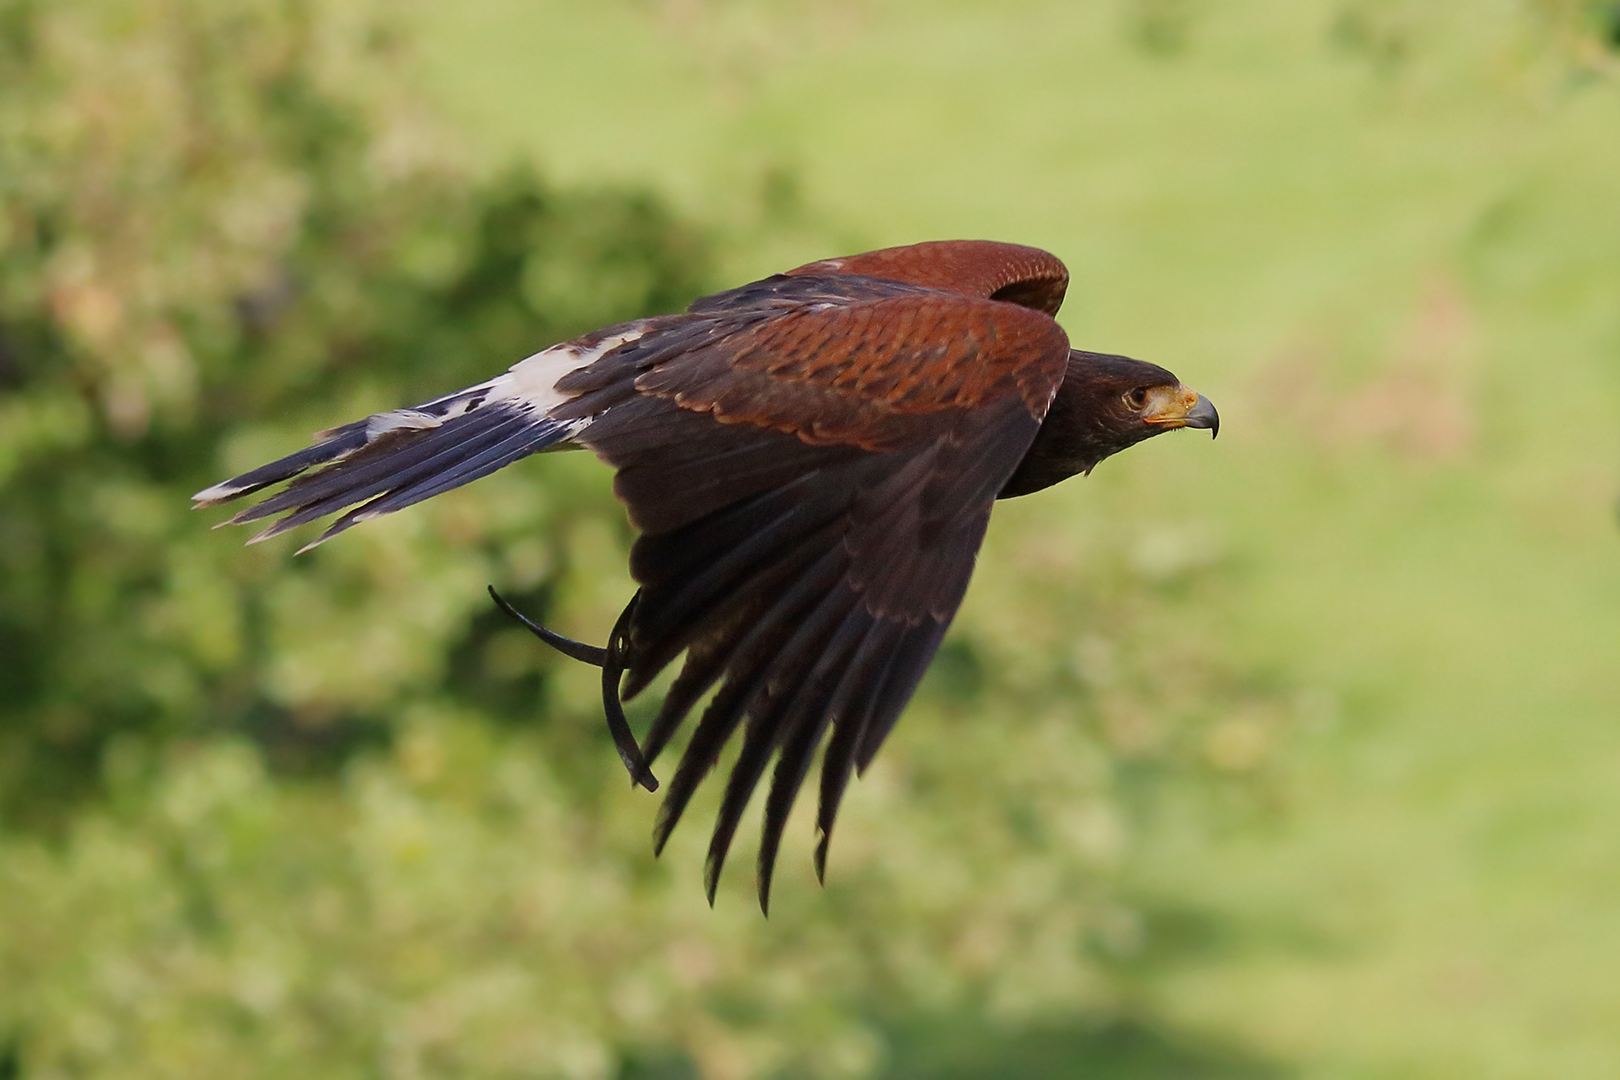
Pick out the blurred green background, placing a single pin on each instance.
(1294, 755)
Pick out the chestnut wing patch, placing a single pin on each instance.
(806, 540)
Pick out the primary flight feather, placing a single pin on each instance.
(810, 460)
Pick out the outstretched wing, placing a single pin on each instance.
(811, 492)
(811, 459)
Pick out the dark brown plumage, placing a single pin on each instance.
(811, 461)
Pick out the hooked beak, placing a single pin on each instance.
(1181, 407)
(1203, 415)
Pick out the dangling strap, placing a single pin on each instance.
(611, 661)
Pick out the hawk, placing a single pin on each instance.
(810, 461)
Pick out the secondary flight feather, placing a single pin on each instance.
(810, 461)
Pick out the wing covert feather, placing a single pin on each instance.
(812, 492)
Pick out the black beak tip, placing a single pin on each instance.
(1203, 415)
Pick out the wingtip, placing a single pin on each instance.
(258, 537)
(270, 531)
(764, 875)
(711, 877)
(662, 827)
(224, 491)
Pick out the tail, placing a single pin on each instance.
(390, 460)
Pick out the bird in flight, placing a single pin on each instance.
(810, 461)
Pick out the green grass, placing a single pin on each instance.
(1383, 238)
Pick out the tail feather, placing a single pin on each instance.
(514, 446)
(423, 484)
(391, 460)
(342, 442)
(380, 467)
(337, 444)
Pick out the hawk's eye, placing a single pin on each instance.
(1137, 399)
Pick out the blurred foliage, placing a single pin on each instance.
(333, 815)
(206, 235)
(1589, 28)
